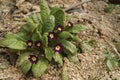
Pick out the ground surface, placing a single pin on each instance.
(101, 26)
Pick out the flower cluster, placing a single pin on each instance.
(37, 44)
(52, 36)
(44, 38)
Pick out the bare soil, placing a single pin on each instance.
(101, 26)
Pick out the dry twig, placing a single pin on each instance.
(69, 8)
(113, 48)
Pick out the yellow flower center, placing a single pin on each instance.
(59, 29)
(69, 24)
(57, 47)
(29, 44)
(38, 44)
(51, 36)
(34, 58)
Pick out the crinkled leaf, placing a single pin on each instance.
(69, 46)
(109, 55)
(32, 24)
(76, 39)
(44, 10)
(39, 68)
(69, 17)
(14, 43)
(64, 74)
(45, 40)
(35, 37)
(86, 47)
(77, 28)
(25, 28)
(20, 36)
(112, 64)
(118, 43)
(109, 64)
(36, 18)
(59, 16)
(23, 57)
(111, 60)
(58, 58)
(10, 35)
(49, 24)
(25, 66)
(49, 53)
(73, 58)
(65, 35)
(93, 43)
(39, 29)
(118, 46)
(110, 8)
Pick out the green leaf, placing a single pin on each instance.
(39, 29)
(31, 24)
(110, 8)
(69, 17)
(30, 21)
(25, 66)
(20, 36)
(77, 28)
(109, 55)
(64, 74)
(25, 28)
(86, 47)
(109, 64)
(93, 43)
(49, 53)
(58, 58)
(59, 16)
(23, 57)
(49, 24)
(44, 10)
(76, 39)
(39, 68)
(73, 58)
(112, 64)
(36, 18)
(117, 45)
(111, 60)
(35, 37)
(69, 46)
(14, 43)
(65, 35)
(45, 39)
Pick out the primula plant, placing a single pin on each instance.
(46, 36)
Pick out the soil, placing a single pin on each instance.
(102, 27)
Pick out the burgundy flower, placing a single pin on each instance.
(29, 43)
(58, 48)
(70, 24)
(33, 59)
(52, 36)
(38, 44)
(59, 28)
